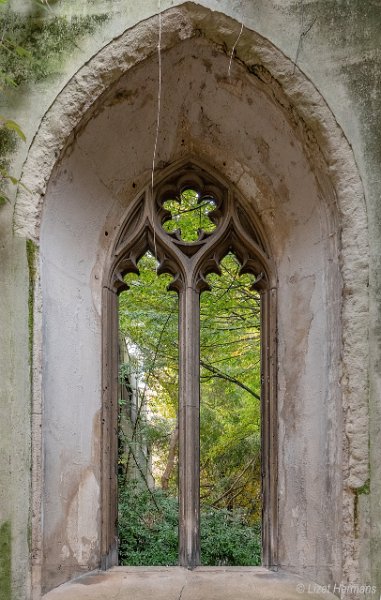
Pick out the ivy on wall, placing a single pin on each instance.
(32, 49)
(37, 45)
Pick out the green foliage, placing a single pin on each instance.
(12, 126)
(230, 410)
(8, 143)
(34, 47)
(148, 525)
(227, 538)
(230, 390)
(190, 215)
(148, 531)
(148, 317)
(31, 49)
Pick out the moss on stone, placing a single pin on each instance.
(5, 561)
(364, 490)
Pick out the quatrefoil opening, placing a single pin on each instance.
(189, 216)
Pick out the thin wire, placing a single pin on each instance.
(234, 47)
(157, 125)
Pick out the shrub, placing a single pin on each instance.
(148, 531)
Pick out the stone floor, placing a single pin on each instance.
(176, 583)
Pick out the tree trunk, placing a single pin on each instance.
(171, 457)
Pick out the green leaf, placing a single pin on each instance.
(14, 180)
(22, 51)
(13, 126)
(7, 79)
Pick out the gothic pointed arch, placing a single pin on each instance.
(189, 262)
(295, 171)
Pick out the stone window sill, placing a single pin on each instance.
(177, 583)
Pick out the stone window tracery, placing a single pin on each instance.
(157, 222)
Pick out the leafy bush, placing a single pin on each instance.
(227, 539)
(148, 531)
(148, 523)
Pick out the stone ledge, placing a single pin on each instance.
(177, 583)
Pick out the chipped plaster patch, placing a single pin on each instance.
(82, 533)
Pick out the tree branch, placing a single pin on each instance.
(221, 375)
(253, 460)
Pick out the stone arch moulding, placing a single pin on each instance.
(189, 264)
(335, 171)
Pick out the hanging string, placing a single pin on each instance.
(237, 40)
(234, 47)
(158, 114)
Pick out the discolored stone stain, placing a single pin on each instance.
(283, 193)
(300, 291)
(233, 85)
(208, 125)
(266, 188)
(91, 579)
(263, 150)
(66, 550)
(274, 213)
(122, 95)
(145, 99)
(96, 443)
(208, 65)
(302, 131)
(58, 557)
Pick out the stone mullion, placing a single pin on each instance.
(189, 427)
(109, 550)
(269, 461)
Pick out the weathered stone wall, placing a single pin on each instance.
(335, 46)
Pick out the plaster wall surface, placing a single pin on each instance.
(337, 46)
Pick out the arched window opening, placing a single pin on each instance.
(230, 420)
(147, 419)
(201, 235)
(230, 494)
